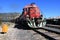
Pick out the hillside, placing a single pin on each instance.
(9, 16)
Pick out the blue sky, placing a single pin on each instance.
(49, 8)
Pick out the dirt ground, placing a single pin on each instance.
(20, 34)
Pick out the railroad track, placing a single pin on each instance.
(43, 33)
(49, 33)
(53, 26)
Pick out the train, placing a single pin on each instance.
(32, 16)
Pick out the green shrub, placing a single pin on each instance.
(0, 22)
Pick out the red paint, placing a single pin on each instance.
(32, 11)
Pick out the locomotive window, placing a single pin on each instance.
(30, 8)
(25, 9)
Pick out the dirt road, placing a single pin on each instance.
(20, 34)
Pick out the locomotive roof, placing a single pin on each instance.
(30, 5)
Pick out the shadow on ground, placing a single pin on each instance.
(22, 26)
(2, 32)
(26, 27)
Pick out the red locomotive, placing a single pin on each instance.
(32, 16)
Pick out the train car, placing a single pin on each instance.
(32, 16)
